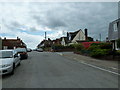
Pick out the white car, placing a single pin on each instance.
(9, 59)
(40, 50)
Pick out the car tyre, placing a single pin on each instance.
(19, 64)
(13, 69)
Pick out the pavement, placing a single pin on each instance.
(51, 70)
(110, 65)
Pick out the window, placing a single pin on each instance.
(69, 36)
(115, 26)
(5, 47)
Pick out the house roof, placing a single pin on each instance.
(73, 34)
(13, 42)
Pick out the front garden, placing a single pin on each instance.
(95, 50)
(100, 51)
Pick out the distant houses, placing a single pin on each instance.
(64, 41)
(114, 32)
(45, 43)
(12, 43)
(71, 38)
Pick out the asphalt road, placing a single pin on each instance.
(50, 70)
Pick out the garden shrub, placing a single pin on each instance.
(99, 52)
(93, 47)
(101, 45)
(95, 44)
(106, 46)
(61, 47)
(100, 49)
(78, 47)
(118, 43)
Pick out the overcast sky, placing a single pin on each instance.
(29, 20)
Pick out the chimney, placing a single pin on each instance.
(4, 38)
(67, 36)
(18, 38)
(86, 34)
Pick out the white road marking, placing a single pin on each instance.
(94, 66)
(100, 68)
(113, 67)
(60, 54)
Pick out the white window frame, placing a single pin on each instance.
(115, 27)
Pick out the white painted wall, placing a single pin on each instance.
(80, 36)
(63, 42)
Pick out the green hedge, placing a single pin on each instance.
(99, 52)
(78, 47)
(118, 43)
(102, 45)
(58, 47)
(100, 49)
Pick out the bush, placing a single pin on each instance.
(56, 47)
(118, 52)
(101, 45)
(71, 46)
(95, 44)
(100, 49)
(61, 47)
(99, 52)
(93, 47)
(78, 47)
(118, 43)
(106, 46)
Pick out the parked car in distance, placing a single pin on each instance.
(29, 50)
(9, 59)
(22, 52)
(39, 49)
(35, 49)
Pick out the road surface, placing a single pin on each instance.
(51, 70)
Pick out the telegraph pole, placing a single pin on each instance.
(45, 35)
(100, 36)
(45, 41)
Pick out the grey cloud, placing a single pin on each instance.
(50, 21)
(16, 24)
(73, 16)
(32, 29)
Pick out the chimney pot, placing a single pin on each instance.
(4, 38)
(86, 34)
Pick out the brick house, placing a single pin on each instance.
(13, 43)
(45, 43)
(57, 41)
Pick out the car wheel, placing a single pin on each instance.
(13, 69)
(19, 64)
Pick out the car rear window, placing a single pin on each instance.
(6, 54)
(21, 50)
